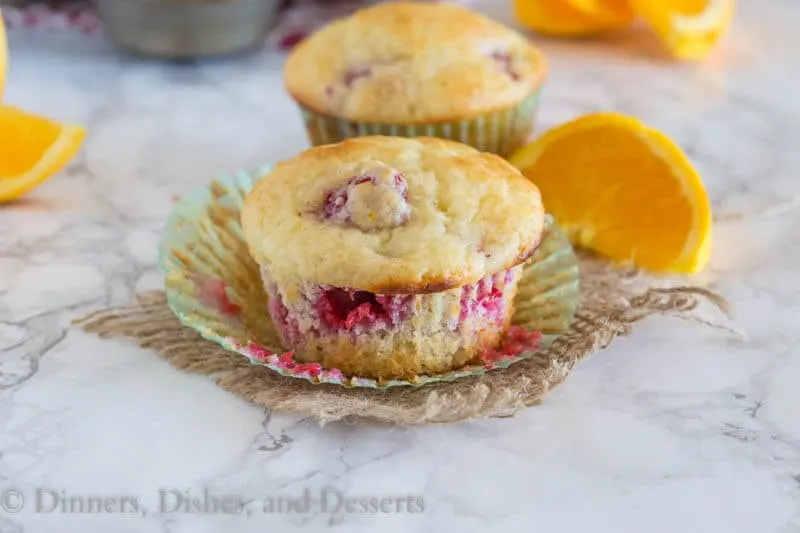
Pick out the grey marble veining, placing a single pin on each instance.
(677, 428)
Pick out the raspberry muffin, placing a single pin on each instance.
(414, 69)
(388, 257)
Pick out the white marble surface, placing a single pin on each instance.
(677, 428)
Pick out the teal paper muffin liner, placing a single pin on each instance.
(501, 132)
(214, 287)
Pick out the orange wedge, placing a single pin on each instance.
(689, 28)
(623, 190)
(32, 148)
(560, 18)
(3, 54)
(617, 12)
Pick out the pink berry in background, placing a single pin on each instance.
(506, 62)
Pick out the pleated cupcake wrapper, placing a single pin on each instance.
(449, 319)
(500, 132)
(214, 287)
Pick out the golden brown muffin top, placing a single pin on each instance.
(392, 215)
(404, 62)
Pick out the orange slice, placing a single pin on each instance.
(560, 18)
(618, 12)
(32, 149)
(689, 28)
(623, 190)
(3, 54)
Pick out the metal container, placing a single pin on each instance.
(187, 29)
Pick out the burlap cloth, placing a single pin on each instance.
(612, 301)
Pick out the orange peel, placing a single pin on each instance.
(690, 29)
(562, 18)
(624, 190)
(32, 148)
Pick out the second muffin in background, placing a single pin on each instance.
(409, 69)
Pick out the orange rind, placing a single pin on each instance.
(623, 190)
(563, 18)
(690, 29)
(32, 148)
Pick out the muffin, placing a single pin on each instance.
(411, 69)
(388, 257)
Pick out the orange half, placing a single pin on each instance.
(623, 190)
(690, 29)
(32, 148)
(618, 12)
(560, 18)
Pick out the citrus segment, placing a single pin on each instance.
(560, 18)
(623, 190)
(611, 11)
(689, 28)
(32, 148)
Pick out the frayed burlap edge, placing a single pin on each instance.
(613, 300)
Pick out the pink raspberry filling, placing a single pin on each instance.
(331, 309)
(345, 309)
(325, 310)
(485, 298)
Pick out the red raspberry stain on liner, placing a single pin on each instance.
(516, 340)
(285, 360)
(313, 369)
(213, 292)
(257, 352)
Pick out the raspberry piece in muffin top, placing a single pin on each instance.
(506, 62)
(350, 76)
(375, 200)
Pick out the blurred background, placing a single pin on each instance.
(182, 29)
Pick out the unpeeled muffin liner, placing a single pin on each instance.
(214, 287)
(500, 132)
